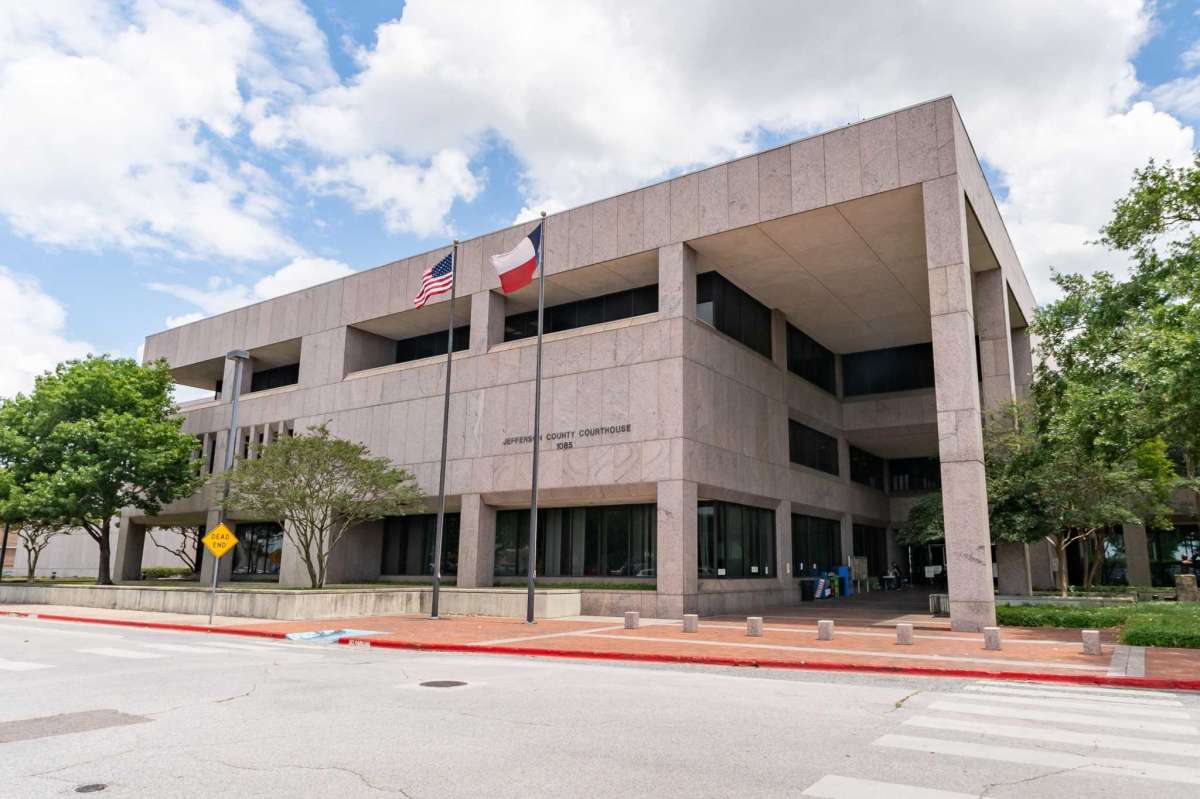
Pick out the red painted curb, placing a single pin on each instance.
(807, 665)
(151, 625)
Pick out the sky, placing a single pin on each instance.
(165, 160)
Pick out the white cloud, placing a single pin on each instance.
(221, 294)
(35, 338)
(1180, 96)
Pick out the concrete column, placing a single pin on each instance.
(292, 571)
(678, 581)
(960, 430)
(995, 340)
(677, 281)
(357, 557)
(131, 542)
(1022, 353)
(227, 379)
(779, 338)
(847, 538)
(1137, 555)
(206, 560)
(1014, 576)
(783, 545)
(1042, 564)
(487, 320)
(476, 543)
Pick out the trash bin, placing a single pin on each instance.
(808, 589)
(844, 579)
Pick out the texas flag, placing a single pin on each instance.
(516, 267)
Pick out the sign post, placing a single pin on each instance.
(217, 541)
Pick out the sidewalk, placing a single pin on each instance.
(789, 641)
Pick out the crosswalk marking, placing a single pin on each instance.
(127, 654)
(1033, 714)
(20, 665)
(1097, 690)
(1058, 735)
(1053, 694)
(1079, 704)
(187, 649)
(1044, 757)
(835, 787)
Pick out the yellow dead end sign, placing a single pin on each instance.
(219, 540)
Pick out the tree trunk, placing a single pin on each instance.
(31, 557)
(104, 573)
(1060, 546)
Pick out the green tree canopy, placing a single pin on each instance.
(318, 487)
(95, 436)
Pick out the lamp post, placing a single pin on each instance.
(239, 358)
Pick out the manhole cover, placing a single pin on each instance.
(442, 684)
(91, 788)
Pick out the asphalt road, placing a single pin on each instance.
(157, 714)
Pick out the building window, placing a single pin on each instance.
(275, 378)
(914, 474)
(893, 369)
(807, 358)
(866, 469)
(592, 311)
(408, 544)
(431, 344)
(812, 448)
(259, 548)
(1173, 552)
(605, 541)
(871, 543)
(734, 312)
(735, 541)
(816, 544)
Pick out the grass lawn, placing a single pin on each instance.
(1141, 623)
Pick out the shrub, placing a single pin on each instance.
(1054, 616)
(1143, 624)
(159, 572)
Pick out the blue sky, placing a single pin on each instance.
(168, 159)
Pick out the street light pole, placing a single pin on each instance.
(239, 358)
(4, 550)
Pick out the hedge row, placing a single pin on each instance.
(1142, 624)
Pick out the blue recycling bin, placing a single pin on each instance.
(844, 579)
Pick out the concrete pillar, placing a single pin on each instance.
(358, 556)
(1014, 576)
(1091, 642)
(632, 619)
(779, 338)
(991, 638)
(783, 545)
(904, 634)
(678, 582)
(676, 281)
(292, 571)
(691, 622)
(206, 560)
(131, 542)
(825, 630)
(960, 430)
(1042, 564)
(476, 543)
(754, 626)
(847, 539)
(227, 379)
(1022, 353)
(1137, 555)
(487, 320)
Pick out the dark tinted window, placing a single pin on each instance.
(810, 360)
(409, 542)
(605, 541)
(816, 544)
(914, 474)
(871, 542)
(735, 540)
(893, 369)
(812, 448)
(866, 468)
(259, 548)
(430, 344)
(275, 378)
(734, 312)
(592, 311)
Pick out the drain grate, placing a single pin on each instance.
(443, 684)
(91, 787)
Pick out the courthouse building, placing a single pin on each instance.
(750, 371)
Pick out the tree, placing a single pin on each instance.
(94, 436)
(318, 487)
(184, 545)
(35, 536)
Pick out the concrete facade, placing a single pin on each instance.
(877, 235)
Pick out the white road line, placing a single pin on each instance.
(1081, 703)
(1045, 757)
(1033, 714)
(502, 641)
(19, 665)
(859, 653)
(39, 628)
(186, 649)
(244, 647)
(1085, 689)
(1053, 694)
(1058, 735)
(835, 787)
(112, 652)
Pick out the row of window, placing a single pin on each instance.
(580, 313)
(431, 344)
(607, 541)
(816, 450)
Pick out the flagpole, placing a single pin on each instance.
(537, 423)
(441, 516)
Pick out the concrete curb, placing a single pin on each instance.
(805, 665)
(151, 625)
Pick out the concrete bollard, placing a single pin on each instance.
(991, 637)
(1091, 642)
(632, 617)
(691, 622)
(825, 630)
(904, 634)
(754, 626)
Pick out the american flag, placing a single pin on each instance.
(436, 280)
